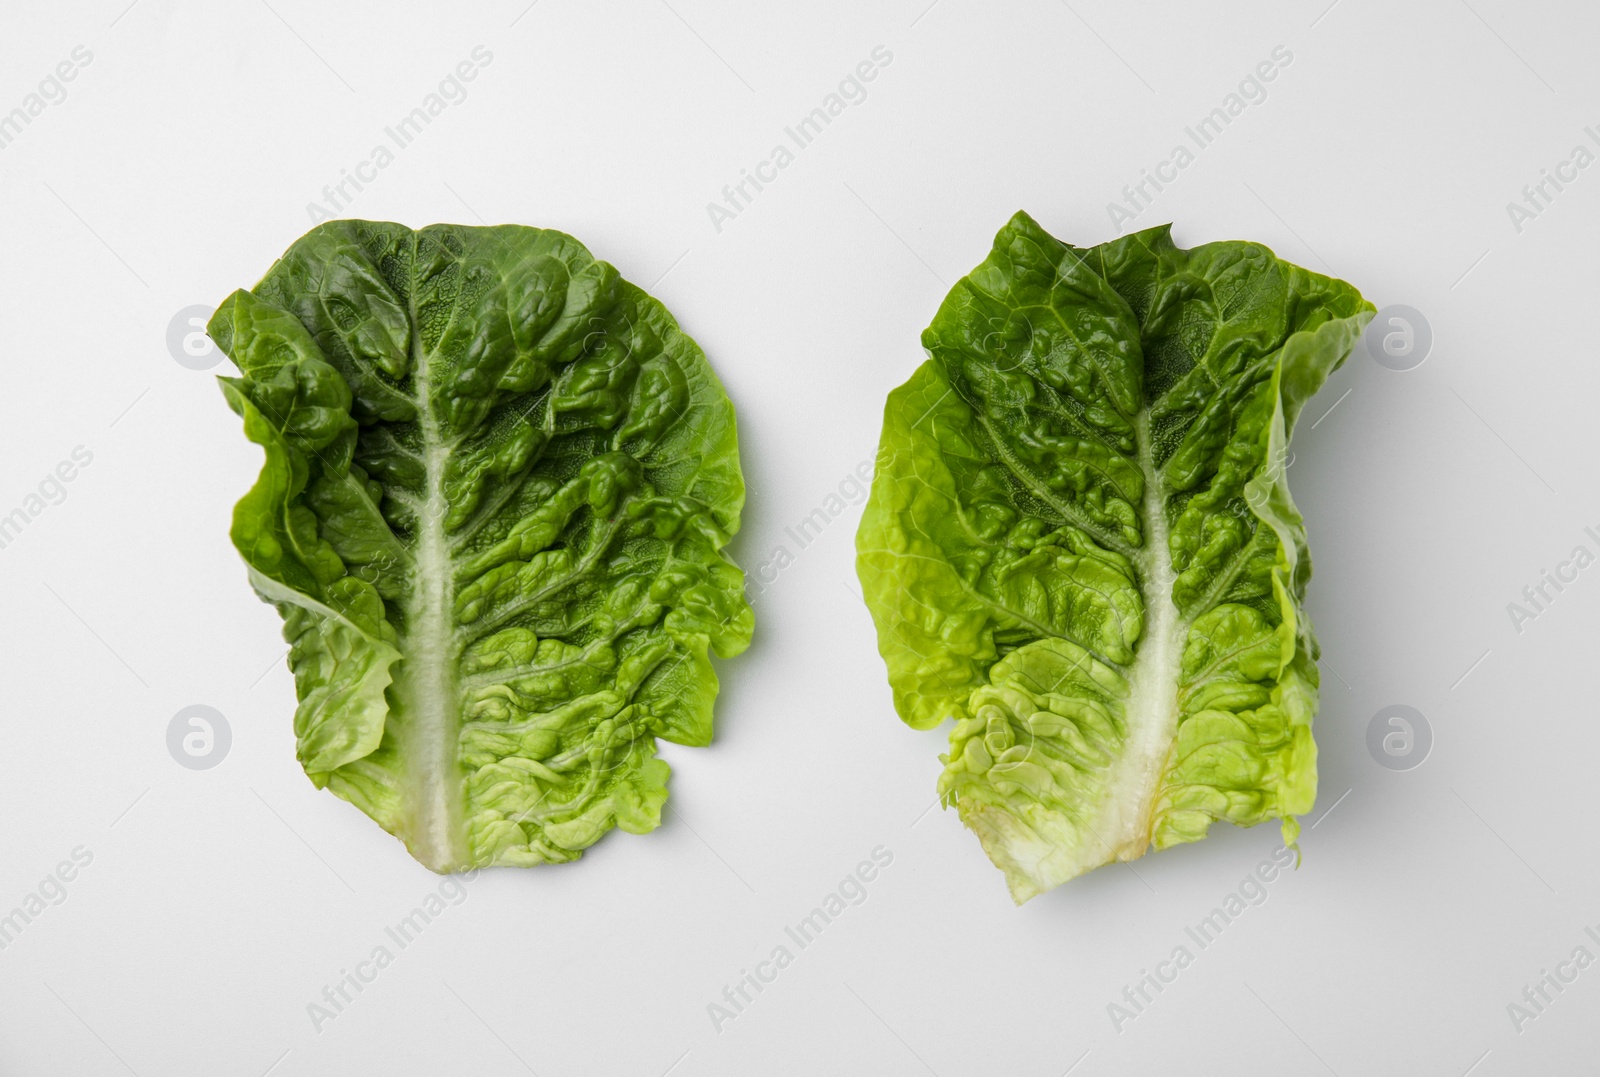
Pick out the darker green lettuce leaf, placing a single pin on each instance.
(498, 481)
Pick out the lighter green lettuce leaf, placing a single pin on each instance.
(498, 482)
(1080, 544)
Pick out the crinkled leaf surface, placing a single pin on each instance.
(1080, 544)
(498, 480)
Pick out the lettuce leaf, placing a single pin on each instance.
(1080, 544)
(498, 480)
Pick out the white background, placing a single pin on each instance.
(219, 903)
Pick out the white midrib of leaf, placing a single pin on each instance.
(432, 719)
(1123, 828)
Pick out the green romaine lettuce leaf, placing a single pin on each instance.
(1080, 544)
(498, 480)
